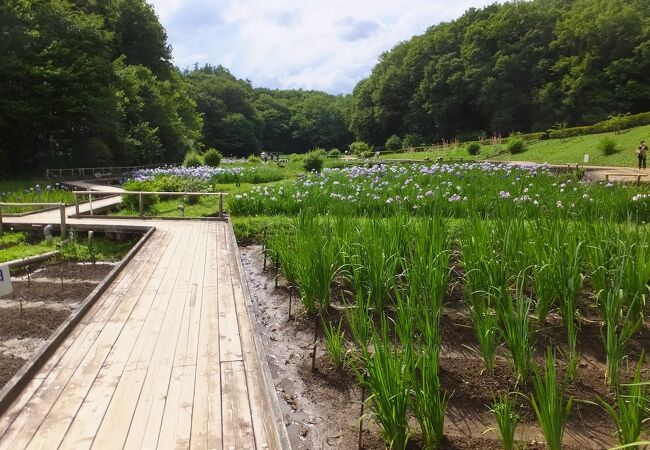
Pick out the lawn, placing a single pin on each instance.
(16, 245)
(553, 151)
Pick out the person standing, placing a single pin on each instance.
(642, 154)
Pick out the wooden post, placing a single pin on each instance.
(141, 205)
(90, 201)
(0, 220)
(76, 203)
(64, 227)
(220, 204)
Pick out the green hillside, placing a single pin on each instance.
(554, 151)
(572, 150)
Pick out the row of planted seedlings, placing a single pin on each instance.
(392, 276)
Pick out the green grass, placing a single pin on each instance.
(12, 238)
(103, 249)
(553, 151)
(206, 206)
(572, 150)
(21, 249)
(31, 191)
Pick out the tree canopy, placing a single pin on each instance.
(517, 66)
(92, 82)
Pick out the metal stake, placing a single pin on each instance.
(290, 291)
(363, 404)
(313, 355)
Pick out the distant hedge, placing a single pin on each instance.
(606, 126)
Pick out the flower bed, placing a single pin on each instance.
(487, 189)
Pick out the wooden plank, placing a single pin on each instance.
(83, 338)
(80, 397)
(73, 395)
(236, 415)
(211, 268)
(177, 415)
(177, 418)
(206, 420)
(264, 425)
(147, 417)
(112, 432)
(117, 420)
(186, 347)
(88, 418)
(229, 341)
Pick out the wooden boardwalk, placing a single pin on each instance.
(167, 357)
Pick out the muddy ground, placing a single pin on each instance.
(40, 303)
(322, 407)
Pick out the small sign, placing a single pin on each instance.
(586, 158)
(5, 281)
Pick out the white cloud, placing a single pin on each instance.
(306, 44)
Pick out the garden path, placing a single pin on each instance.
(167, 357)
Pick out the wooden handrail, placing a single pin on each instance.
(141, 194)
(61, 206)
(147, 193)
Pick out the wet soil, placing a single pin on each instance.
(39, 304)
(321, 407)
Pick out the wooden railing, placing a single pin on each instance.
(61, 206)
(141, 195)
(624, 174)
(95, 172)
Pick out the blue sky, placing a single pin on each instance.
(287, 44)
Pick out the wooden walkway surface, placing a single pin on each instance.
(166, 358)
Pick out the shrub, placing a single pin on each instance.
(615, 123)
(360, 147)
(294, 157)
(393, 143)
(319, 151)
(334, 153)
(340, 164)
(254, 159)
(473, 148)
(212, 157)
(541, 136)
(193, 159)
(133, 201)
(313, 162)
(411, 140)
(516, 145)
(607, 146)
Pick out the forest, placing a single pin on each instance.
(92, 82)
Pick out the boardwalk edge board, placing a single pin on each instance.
(31, 259)
(280, 426)
(118, 218)
(14, 387)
